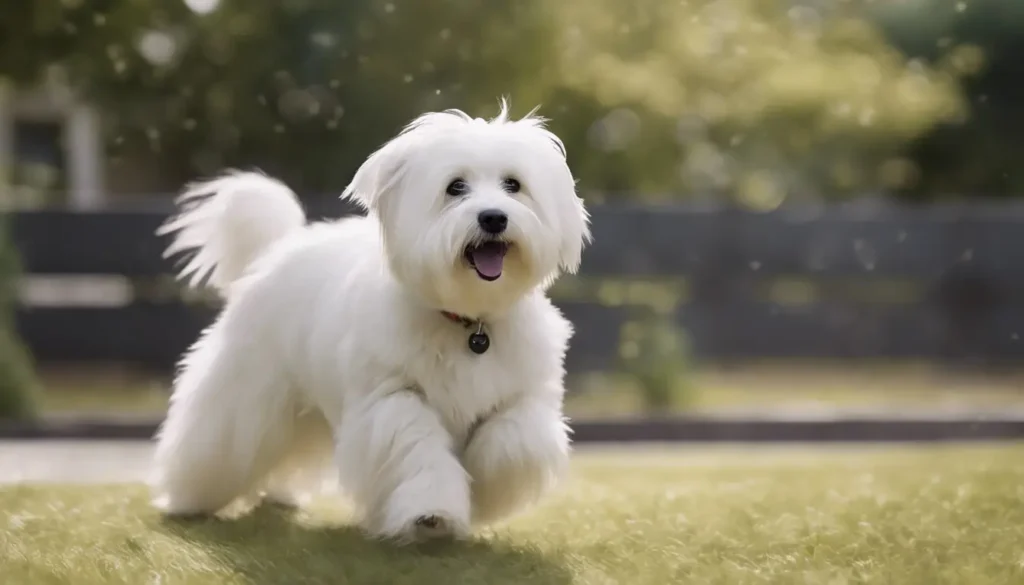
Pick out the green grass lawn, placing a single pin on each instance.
(828, 516)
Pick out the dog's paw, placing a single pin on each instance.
(423, 527)
(431, 527)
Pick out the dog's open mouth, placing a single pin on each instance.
(487, 259)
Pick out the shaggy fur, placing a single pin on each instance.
(332, 353)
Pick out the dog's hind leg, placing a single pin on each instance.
(231, 420)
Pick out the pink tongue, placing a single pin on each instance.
(488, 259)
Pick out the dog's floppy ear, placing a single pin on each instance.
(383, 169)
(377, 175)
(574, 228)
(575, 233)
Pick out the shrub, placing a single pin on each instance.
(654, 353)
(18, 385)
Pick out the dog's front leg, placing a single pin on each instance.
(396, 461)
(516, 455)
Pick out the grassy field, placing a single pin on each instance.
(731, 516)
(750, 386)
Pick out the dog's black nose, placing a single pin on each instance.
(492, 221)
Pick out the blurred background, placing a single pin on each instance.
(800, 206)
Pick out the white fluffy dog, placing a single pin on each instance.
(414, 348)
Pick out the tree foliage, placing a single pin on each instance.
(654, 98)
(983, 39)
(748, 96)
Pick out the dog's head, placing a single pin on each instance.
(474, 213)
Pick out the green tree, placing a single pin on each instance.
(983, 39)
(302, 88)
(756, 98)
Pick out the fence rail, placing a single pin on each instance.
(941, 283)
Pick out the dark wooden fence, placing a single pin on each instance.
(943, 284)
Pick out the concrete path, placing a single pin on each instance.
(74, 461)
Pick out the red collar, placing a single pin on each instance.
(461, 320)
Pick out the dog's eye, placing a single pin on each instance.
(457, 188)
(511, 185)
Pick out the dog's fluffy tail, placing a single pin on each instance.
(227, 222)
